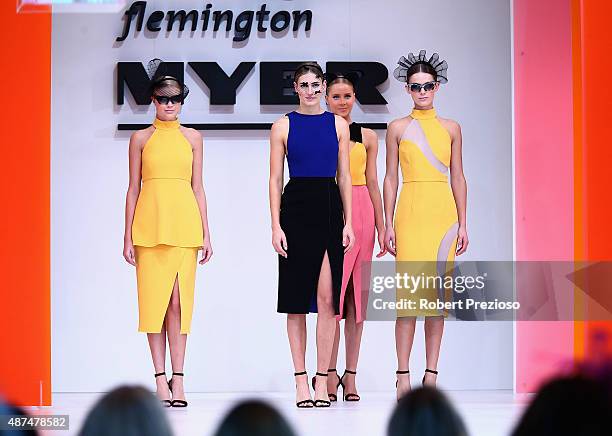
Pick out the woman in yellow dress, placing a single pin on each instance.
(165, 227)
(430, 221)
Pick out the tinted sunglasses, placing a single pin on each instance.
(163, 99)
(416, 87)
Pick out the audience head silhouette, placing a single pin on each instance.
(7, 409)
(425, 412)
(574, 405)
(254, 418)
(127, 411)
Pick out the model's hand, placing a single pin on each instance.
(207, 251)
(381, 243)
(279, 242)
(348, 238)
(128, 252)
(462, 241)
(390, 240)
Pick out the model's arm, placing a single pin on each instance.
(197, 144)
(278, 139)
(135, 156)
(370, 140)
(390, 184)
(344, 181)
(458, 185)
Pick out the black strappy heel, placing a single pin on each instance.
(398, 372)
(165, 403)
(304, 404)
(176, 403)
(350, 396)
(431, 371)
(320, 403)
(332, 397)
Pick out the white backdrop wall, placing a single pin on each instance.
(238, 341)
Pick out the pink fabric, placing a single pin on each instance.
(357, 260)
(544, 166)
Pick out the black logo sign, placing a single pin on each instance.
(275, 85)
(279, 22)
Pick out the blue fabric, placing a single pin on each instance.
(312, 145)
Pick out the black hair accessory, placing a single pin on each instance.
(405, 63)
(155, 71)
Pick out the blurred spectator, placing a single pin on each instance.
(425, 412)
(254, 418)
(127, 411)
(574, 405)
(6, 409)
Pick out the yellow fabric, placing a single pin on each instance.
(156, 270)
(426, 209)
(167, 211)
(358, 158)
(415, 166)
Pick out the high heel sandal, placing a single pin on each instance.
(304, 404)
(350, 396)
(320, 403)
(176, 403)
(332, 397)
(431, 371)
(165, 403)
(398, 372)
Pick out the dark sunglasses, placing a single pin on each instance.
(175, 99)
(416, 87)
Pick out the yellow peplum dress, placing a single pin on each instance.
(167, 227)
(426, 217)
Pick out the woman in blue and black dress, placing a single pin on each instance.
(311, 223)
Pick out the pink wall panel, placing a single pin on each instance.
(543, 169)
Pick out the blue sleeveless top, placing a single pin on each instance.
(312, 145)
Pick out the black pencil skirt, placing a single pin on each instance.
(312, 218)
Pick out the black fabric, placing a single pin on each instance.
(311, 216)
(355, 130)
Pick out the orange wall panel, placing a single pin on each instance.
(25, 335)
(592, 111)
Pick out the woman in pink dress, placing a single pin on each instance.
(367, 214)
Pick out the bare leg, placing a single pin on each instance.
(157, 344)
(352, 340)
(176, 340)
(404, 336)
(326, 326)
(296, 331)
(434, 327)
(333, 378)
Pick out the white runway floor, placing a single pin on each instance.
(486, 413)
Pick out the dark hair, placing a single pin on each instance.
(254, 418)
(308, 67)
(127, 410)
(425, 412)
(568, 406)
(7, 409)
(421, 67)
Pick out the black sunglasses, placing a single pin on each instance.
(416, 87)
(175, 99)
